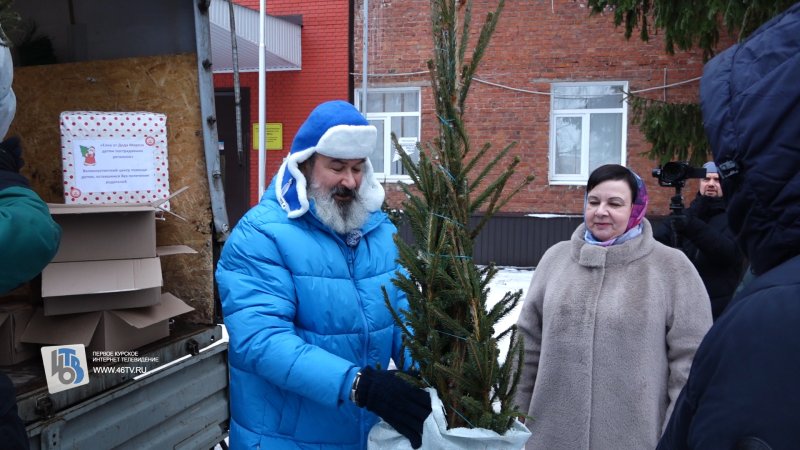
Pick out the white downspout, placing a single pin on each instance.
(262, 99)
(365, 47)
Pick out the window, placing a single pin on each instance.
(588, 127)
(395, 110)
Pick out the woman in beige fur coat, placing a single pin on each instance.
(611, 322)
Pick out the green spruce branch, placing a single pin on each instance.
(448, 328)
(687, 23)
(675, 130)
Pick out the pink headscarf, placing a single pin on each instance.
(639, 207)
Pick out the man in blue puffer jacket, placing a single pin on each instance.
(301, 280)
(743, 391)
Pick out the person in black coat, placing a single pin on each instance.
(12, 431)
(743, 390)
(702, 233)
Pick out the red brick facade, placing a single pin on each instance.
(291, 95)
(536, 43)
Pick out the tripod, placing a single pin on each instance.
(676, 209)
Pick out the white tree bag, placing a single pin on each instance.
(436, 436)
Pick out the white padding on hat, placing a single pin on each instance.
(371, 190)
(296, 181)
(347, 141)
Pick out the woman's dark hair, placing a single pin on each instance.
(613, 172)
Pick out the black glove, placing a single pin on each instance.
(11, 155)
(679, 222)
(394, 400)
(701, 207)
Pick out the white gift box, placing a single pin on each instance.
(114, 157)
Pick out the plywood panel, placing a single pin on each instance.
(162, 84)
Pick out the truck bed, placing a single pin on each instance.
(180, 402)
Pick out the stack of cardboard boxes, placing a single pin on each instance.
(103, 288)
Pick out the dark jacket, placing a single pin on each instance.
(744, 386)
(745, 376)
(12, 431)
(710, 245)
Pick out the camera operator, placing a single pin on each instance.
(702, 232)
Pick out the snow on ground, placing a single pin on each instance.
(508, 279)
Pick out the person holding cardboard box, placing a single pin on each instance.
(302, 280)
(28, 237)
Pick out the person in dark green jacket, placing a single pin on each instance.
(29, 238)
(28, 233)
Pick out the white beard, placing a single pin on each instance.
(340, 218)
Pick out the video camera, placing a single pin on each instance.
(675, 173)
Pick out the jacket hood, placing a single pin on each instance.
(750, 98)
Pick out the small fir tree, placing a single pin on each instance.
(448, 329)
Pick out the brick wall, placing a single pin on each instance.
(536, 43)
(292, 95)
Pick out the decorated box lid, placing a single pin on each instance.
(114, 157)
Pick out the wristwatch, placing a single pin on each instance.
(354, 387)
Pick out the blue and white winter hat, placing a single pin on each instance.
(337, 130)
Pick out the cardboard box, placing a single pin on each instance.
(169, 250)
(14, 317)
(84, 286)
(114, 157)
(93, 233)
(107, 330)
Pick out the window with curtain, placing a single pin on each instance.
(588, 127)
(392, 110)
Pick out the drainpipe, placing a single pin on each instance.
(365, 47)
(236, 85)
(262, 99)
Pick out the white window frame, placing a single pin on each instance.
(383, 174)
(584, 114)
